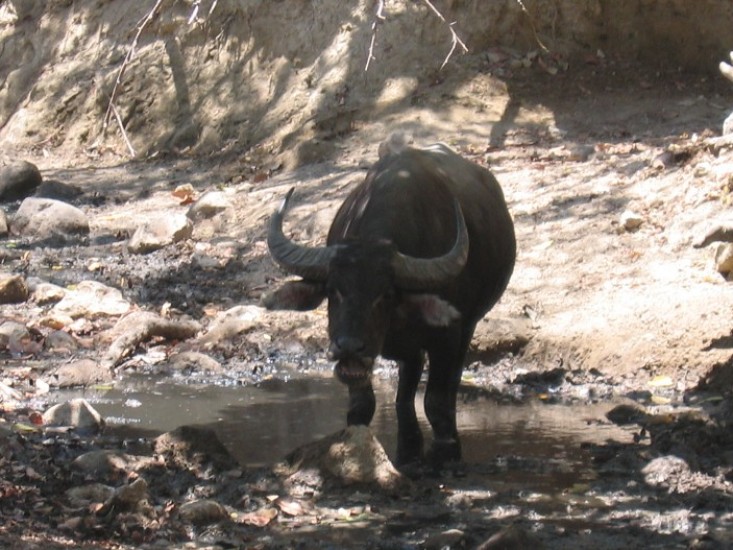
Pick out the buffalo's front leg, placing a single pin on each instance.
(409, 436)
(362, 404)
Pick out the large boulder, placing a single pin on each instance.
(18, 180)
(48, 218)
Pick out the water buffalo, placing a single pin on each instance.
(415, 257)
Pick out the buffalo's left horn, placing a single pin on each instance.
(430, 273)
(307, 262)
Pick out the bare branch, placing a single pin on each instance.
(378, 18)
(531, 25)
(456, 40)
(144, 22)
(122, 130)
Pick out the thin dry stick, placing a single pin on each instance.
(144, 22)
(531, 25)
(456, 40)
(122, 129)
(378, 18)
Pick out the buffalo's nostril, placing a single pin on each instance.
(346, 345)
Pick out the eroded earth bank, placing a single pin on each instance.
(615, 329)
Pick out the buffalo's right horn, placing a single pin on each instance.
(307, 262)
(430, 273)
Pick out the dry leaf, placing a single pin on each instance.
(260, 518)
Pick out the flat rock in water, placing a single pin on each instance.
(48, 218)
(77, 413)
(92, 299)
(160, 232)
(18, 180)
(13, 289)
(350, 456)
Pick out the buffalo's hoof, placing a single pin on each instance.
(444, 452)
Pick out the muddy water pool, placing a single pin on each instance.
(536, 445)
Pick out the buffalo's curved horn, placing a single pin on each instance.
(307, 262)
(429, 273)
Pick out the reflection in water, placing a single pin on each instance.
(262, 423)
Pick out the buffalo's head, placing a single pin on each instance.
(366, 283)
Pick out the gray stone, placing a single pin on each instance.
(18, 180)
(160, 232)
(3, 224)
(48, 218)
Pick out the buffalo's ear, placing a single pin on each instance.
(297, 295)
(433, 309)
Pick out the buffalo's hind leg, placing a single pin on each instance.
(409, 436)
(446, 367)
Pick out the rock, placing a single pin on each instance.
(3, 224)
(350, 456)
(230, 323)
(160, 232)
(13, 289)
(202, 512)
(53, 189)
(721, 232)
(79, 373)
(193, 446)
(511, 538)
(77, 413)
(11, 331)
(724, 260)
(209, 205)
(630, 220)
(47, 293)
(665, 470)
(59, 341)
(81, 497)
(18, 180)
(92, 299)
(193, 361)
(45, 218)
(452, 538)
(105, 463)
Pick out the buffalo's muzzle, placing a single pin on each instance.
(354, 371)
